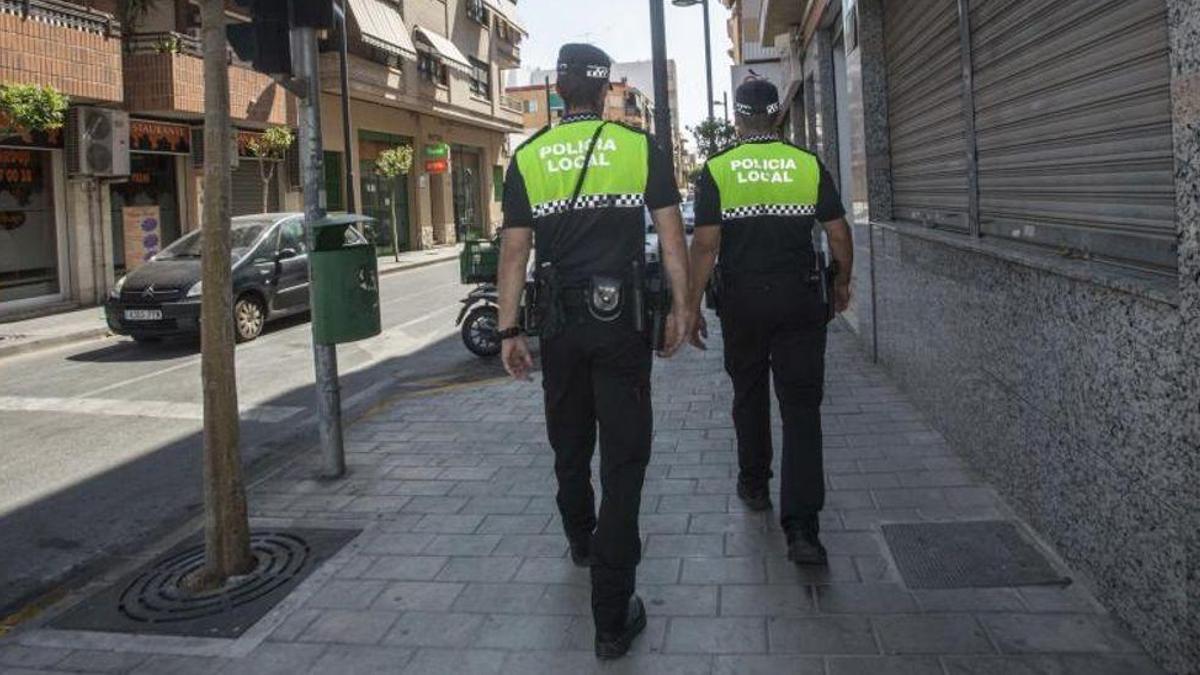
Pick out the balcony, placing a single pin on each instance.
(508, 54)
(63, 45)
(164, 75)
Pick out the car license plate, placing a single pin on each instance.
(143, 315)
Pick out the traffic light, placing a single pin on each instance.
(264, 42)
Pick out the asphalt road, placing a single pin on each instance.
(100, 447)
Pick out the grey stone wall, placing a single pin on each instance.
(1071, 387)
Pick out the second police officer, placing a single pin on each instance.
(580, 188)
(757, 203)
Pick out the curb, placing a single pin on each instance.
(93, 333)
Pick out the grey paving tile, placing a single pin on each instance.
(447, 523)
(768, 543)
(275, 659)
(683, 545)
(559, 571)
(932, 634)
(462, 544)
(1056, 599)
(852, 543)
(162, 664)
(361, 660)
(659, 570)
(31, 657)
(693, 504)
(866, 598)
(1017, 633)
(480, 569)
(496, 505)
(550, 663)
(659, 664)
(741, 570)
(533, 545)
(455, 662)
(768, 665)
(841, 568)
(766, 600)
(681, 600)
(422, 504)
(349, 626)
(582, 635)
(346, 594)
(397, 544)
(499, 598)
(884, 665)
(293, 625)
(969, 600)
(1065, 664)
(418, 595)
(565, 600)
(710, 523)
(406, 568)
(517, 632)
(98, 661)
(514, 524)
(376, 504)
(663, 523)
(434, 629)
(723, 635)
(821, 635)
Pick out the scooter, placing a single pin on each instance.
(480, 319)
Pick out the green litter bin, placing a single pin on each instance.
(479, 261)
(345, 282)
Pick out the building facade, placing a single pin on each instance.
(624, 103)
(1022, 183)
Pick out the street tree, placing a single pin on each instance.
(712, 136)
(270, 149)
(391, 164)
(226, 526)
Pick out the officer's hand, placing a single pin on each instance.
(699, 333)
(841, 296)
(514, 352)
(679, 325)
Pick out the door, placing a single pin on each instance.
(151, 183)
(291, 252)
(465, 181)
(247, 195)
(386, 199)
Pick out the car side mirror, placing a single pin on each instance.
(285, 253)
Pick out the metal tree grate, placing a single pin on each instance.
(975, 554)
(153, 601)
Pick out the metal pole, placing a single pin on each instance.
(725, 104)
(708, 58)
(329, 397)
(662, 98)
(347, 135)
(549, 115)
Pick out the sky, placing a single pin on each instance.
(622, 28)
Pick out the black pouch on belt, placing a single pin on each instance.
(605, 298)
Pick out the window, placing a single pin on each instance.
(531, 106)
(481, 78)
(477, 12)
(431, 68)
(291, 235)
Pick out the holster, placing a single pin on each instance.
(550, 312)
(658, 307)
(823, 275)
(712, 292)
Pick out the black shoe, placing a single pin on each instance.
(581, 553)
(756, 499)
(616, 645)
(804, 548)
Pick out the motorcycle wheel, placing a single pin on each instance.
(479, 331)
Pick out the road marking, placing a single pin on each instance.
(269, 414)
(425, 317)
(133, 380)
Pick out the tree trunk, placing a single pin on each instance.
(226, 527)
(266, 181)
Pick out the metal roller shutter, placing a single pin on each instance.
(248, 188)
(925, 112)
(1073, 125)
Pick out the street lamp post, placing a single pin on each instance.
(707, 46)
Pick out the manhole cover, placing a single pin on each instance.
(976, 554)
(152, 601)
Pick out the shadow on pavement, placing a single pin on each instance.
(127, 350)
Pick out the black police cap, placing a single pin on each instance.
(586, 60)
(756, 97)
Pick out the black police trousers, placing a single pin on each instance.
(775, 324)
(598, 374)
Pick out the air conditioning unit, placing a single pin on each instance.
(97, 142)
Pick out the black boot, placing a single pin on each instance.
(581, 552)
(616, 645)
(755, 498)
(804, 547)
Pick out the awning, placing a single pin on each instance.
(507, 10)
(442, 46)
(382, 27)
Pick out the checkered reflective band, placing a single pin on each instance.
(756, 210)
(590, 202)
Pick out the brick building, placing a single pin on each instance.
(425, 76)
(624, 103)
(1021, 179)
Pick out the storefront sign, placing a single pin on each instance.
(146, 136)
(20, 175)
(143, 234)
(436, 166)
(437, 150)
(11, 134)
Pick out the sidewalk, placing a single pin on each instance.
(28, 335)
(462, 567)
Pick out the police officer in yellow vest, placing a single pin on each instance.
(757, 203)
(581, 188)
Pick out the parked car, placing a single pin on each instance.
(687, 210)
(161, 298)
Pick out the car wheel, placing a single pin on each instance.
(479, 331)
(249, 317)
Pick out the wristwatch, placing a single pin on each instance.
(509, 333)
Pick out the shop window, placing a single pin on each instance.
(481, 78)
(28, 230)
(477, 12)
(432, 69)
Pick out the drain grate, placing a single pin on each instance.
(975, 554)
(152, 600)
